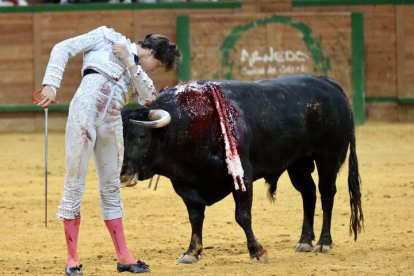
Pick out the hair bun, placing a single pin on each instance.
(173, 47)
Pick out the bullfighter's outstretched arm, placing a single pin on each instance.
(68, 48)
(143, 85)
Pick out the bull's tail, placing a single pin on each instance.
(356, 223)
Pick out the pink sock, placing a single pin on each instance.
(116, 229)
(71, 227)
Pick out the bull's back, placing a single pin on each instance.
(292, 116)
(288, 93)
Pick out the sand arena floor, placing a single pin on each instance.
(158, 230)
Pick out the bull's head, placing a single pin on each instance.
(140, 151)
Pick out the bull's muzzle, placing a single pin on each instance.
(157, 118)
(129, 180)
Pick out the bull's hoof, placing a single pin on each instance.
(303, 247)
(320, 248)
(262, 259)
(188, 259)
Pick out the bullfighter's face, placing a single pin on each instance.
(148, 62)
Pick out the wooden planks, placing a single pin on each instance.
(389, 36)
(405, 33)
(27, 39)
(275, 6)
(380, 46)
(380, 52)
(164, 22)
(266, 6)
(16, 59)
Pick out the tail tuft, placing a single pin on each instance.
(356, 223)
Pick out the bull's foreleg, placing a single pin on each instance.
(195, 249)
(243, 200)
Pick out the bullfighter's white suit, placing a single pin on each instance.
(94, 122)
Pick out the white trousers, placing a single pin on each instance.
(94, 125)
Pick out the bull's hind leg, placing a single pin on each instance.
(195, 249)
(300, 175)
(327, 171)
(243, 200)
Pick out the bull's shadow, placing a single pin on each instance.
(215, 138)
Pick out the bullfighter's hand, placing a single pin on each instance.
(121, 52)
(48, 96)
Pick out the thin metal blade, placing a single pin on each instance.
(46, 162)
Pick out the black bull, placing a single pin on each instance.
(289, 123)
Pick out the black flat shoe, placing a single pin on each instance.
(76, 270)
(139, 267)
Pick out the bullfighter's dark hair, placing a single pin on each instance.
(164, 50)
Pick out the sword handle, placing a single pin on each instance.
(35, 94)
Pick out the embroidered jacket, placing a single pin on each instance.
(96, 46)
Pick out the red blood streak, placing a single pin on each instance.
(228, 127)
(226, 116)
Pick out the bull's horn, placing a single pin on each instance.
(158, 118)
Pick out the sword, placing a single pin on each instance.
(35, 94)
